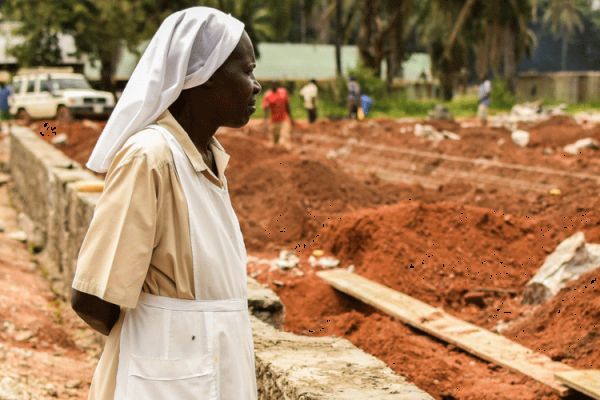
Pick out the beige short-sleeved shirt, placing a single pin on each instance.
(309, 93)
(138, 239)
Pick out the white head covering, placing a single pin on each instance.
(189, 46)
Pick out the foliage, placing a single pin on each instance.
(39, 27)
(391, 105)
(564, 17)
(369, 82)
(97, 27)
(492, 36)
(436, 22)
(382, 31)
(502, 98)
(264, 19)
(505, 37)
(101, 28)
(497, 33)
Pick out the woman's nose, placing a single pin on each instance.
(257, 87)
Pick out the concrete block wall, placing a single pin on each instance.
(531, 87)
(43, 191)
(288, 366)
(566, 86)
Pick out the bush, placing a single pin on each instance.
(502, 98)
(370, 84)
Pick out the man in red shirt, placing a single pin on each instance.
(276, 103)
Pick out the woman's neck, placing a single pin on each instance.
(195, 125)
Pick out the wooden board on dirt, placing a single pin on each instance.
(586, 381)
(436, 322)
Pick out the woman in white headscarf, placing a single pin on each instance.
(162, 268)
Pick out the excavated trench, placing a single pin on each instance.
(462, 225)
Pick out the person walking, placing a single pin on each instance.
(485, 93)
(162, 267)
(276, 106)
(5, 93)
(309, 93)
(366, 102)
(353, 97)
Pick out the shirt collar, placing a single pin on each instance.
(167, 121)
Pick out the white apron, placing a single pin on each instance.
(194, 349)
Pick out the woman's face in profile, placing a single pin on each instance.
(233, 88)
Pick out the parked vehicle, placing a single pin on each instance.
(57, 93)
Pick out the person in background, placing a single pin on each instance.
(366, 103)
(5, 92)
(276, 104)
(353, 97)
(309, 93)
(485, 92)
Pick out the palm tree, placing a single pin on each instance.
(435, 26)
(564, 17)
(382, 33)
(505, 38)
(496, 32)
(264, 19)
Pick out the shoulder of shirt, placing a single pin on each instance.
(147, 144)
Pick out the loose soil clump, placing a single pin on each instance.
(567, 327)
(282, 198)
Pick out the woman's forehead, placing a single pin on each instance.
(244, 51)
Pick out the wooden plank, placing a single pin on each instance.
(436, 322)
(586, 381)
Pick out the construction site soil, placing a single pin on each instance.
(460, 224)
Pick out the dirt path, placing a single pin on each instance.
(45, 351)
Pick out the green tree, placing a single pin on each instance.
(504, 38)
(382, 23)
(449, 52)
(38, 26)
(99, 28)
(497, 33)
(264, 19)
(564, 18)
(102, 28)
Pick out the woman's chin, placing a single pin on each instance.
(239, 123)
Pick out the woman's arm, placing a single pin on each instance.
(97, 313)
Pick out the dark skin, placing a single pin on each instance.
(228, 99)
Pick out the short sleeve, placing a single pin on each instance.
(115, 254)
(266, 103)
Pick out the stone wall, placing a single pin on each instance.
(55, 217)
(569, 87)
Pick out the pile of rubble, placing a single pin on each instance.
(430, 133)
(526, 112)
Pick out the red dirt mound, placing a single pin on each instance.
(313, 308)
(567, 327)
(441, 125)
(283, 198)
(470, 260)
(557, 131)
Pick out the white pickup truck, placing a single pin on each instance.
(48, 93)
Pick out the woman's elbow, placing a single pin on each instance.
(76, 302)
